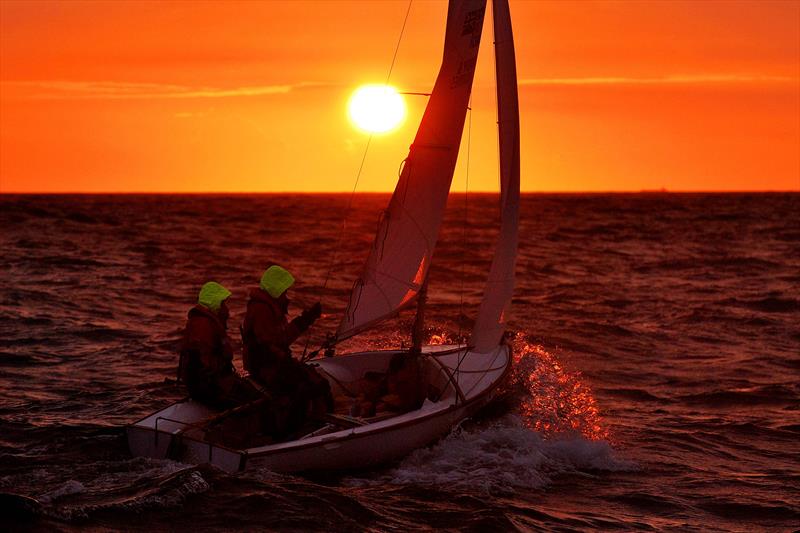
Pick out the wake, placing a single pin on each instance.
(552, 427)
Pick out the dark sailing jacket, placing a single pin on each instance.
(267, 336)
(206, 355)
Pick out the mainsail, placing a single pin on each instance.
(400, 256)
(499, 289)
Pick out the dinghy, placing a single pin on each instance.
(460, 378)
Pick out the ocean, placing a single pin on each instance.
(657, 342)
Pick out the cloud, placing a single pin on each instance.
(112, 90)
(115, 90)
(660, 80)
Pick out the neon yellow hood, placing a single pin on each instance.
(212, 294)
(276, 280)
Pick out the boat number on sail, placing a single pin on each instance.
(473, 23)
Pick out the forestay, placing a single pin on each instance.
(400, 256)
(499, 289)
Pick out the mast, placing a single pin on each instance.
(418, 329)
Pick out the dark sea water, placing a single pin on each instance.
(656, 388)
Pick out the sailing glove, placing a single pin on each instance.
(315, 311)
(310, 315)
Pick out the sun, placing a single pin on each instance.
(376, 108)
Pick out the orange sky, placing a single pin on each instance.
(128, 96)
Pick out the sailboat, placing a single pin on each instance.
(394, 277)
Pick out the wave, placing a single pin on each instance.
(764, 395)
(500, 459)
(745, 510)
(23, 360)
(771, 304)
(145, 485)
(67, 261)
(639, 395)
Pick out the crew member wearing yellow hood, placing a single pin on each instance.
(206, 356)
(267, 336)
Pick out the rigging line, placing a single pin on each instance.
(464, 236)
(336, 251)
(489, 369)
(335, 256)
(364, 156)
(466, 214)
(400, 38)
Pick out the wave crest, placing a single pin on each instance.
(502, 458)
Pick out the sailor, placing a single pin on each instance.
(406, 386)
(267, 336)
(206, 356)
(401, 389)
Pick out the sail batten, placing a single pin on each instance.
(400, 257)
(492, 314)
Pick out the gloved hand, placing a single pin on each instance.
(309, 316)
(314, 312)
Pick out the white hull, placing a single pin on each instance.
(169, 432)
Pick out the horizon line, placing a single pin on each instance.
(456, 193)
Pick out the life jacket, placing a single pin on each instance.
(265, 339)
(205, 350)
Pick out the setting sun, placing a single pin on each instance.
(376, 108)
